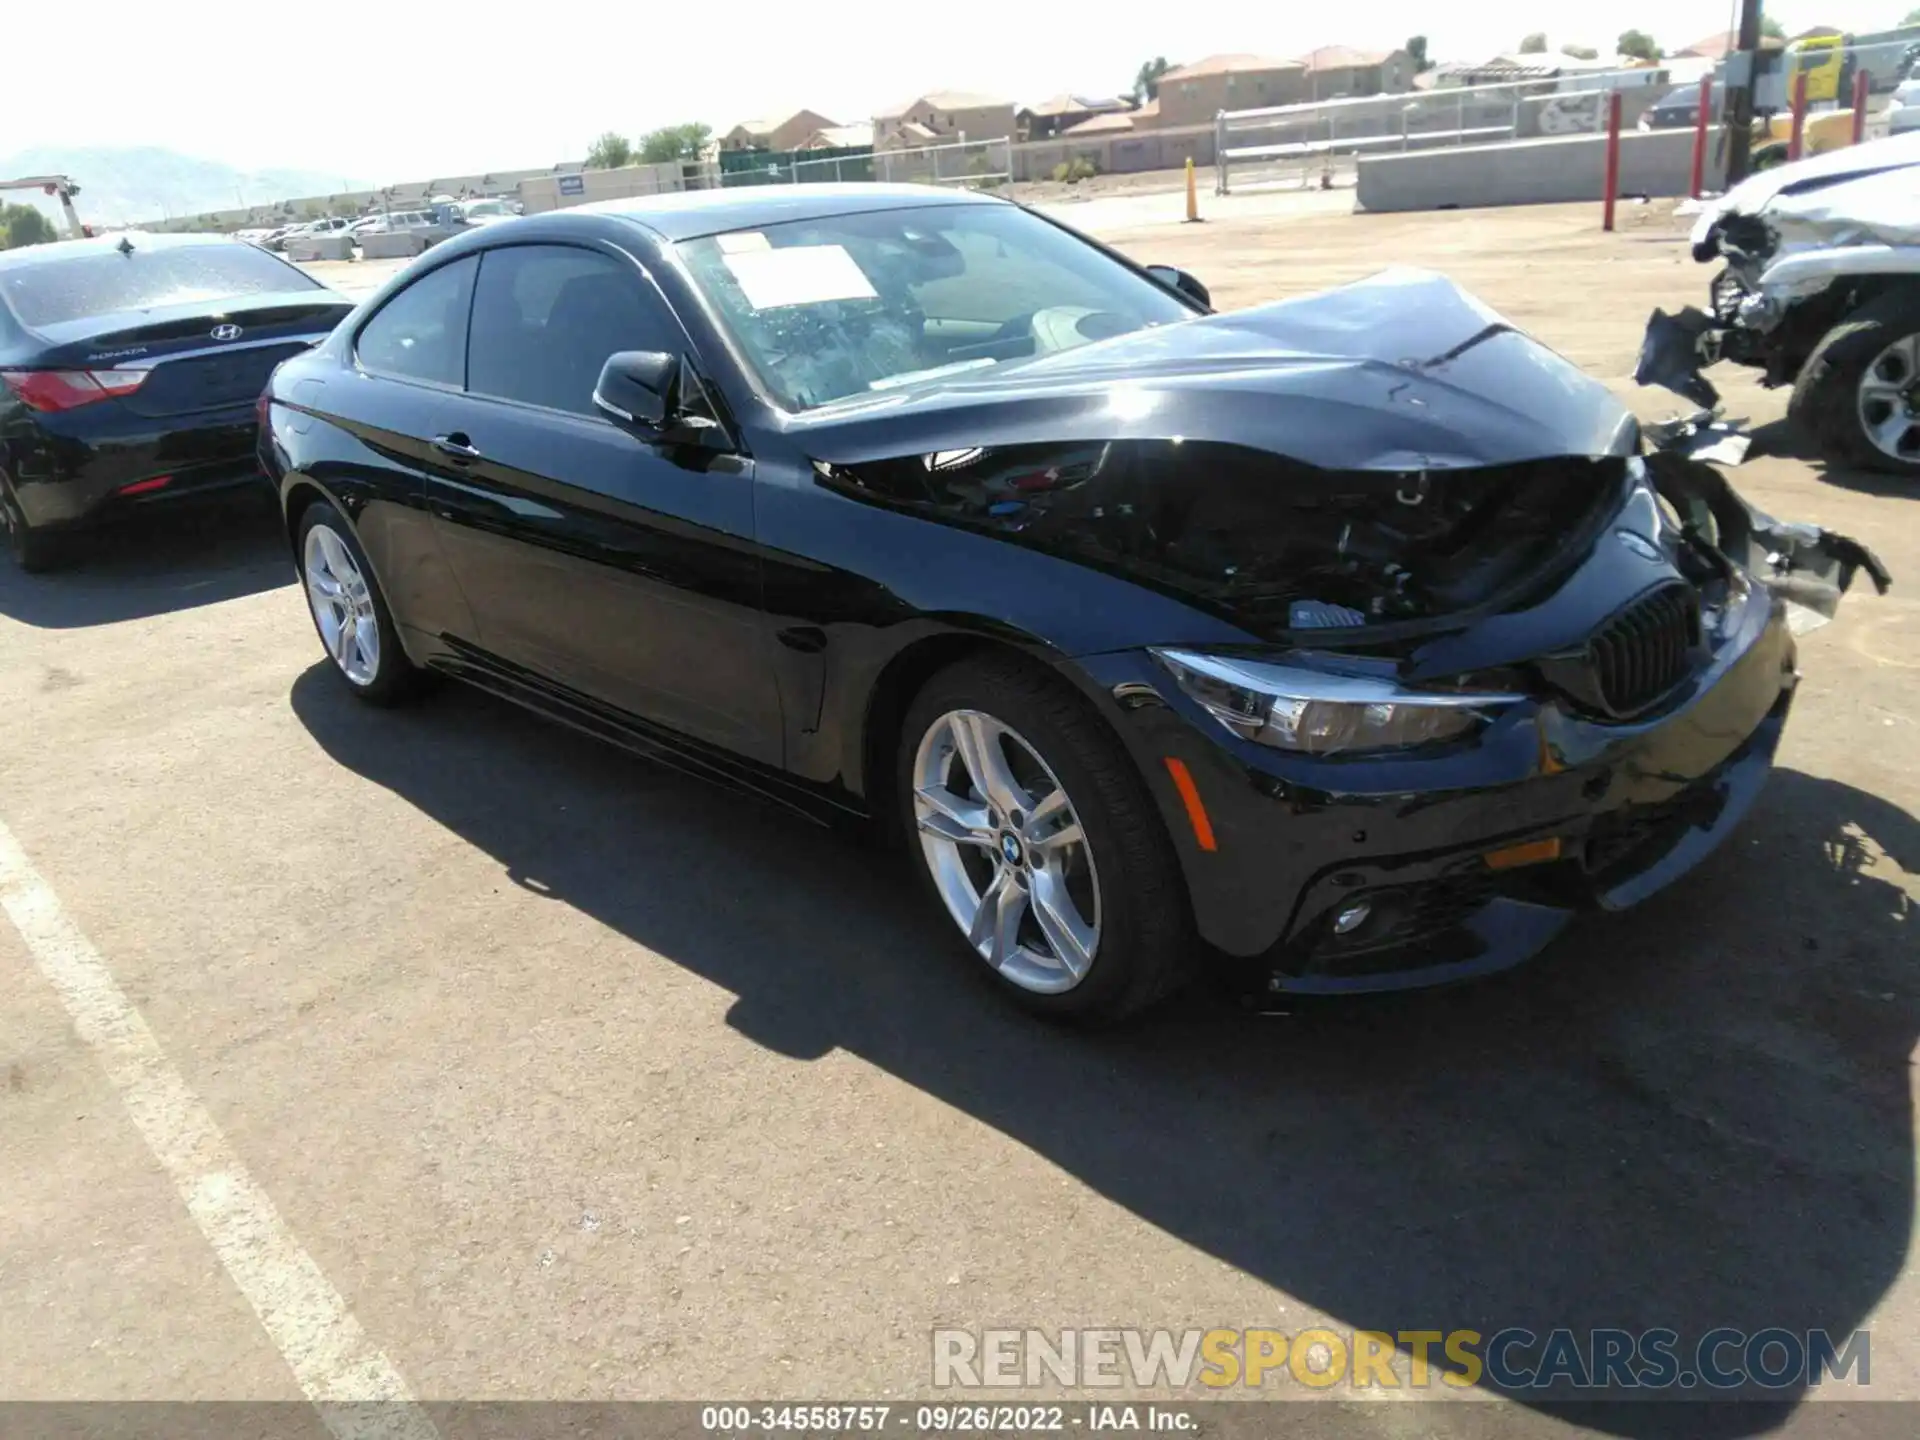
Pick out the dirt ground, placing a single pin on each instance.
(576, 1079)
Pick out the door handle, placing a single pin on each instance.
(455, 445)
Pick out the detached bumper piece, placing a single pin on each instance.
(1438, 918)
(1673, 352)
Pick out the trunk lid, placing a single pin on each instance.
(198, 355)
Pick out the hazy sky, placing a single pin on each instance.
(386, 90)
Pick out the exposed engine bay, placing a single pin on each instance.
(1270, 542)
(1281, 547)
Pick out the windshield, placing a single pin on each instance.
(488, 207)
(850, 304)
(106, 282)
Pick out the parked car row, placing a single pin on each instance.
(440, 219)
(1154, 648)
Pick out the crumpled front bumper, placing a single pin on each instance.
(1614, 812)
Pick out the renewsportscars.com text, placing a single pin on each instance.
(1320, 1358)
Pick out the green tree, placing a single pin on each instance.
(674, 142)
(1638, 44)
(1146, 80)
(1534, 44)
(1772, 29)
(24, 225)
(610, 152)
(1416, 48)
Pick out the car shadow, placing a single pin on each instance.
(155, 563)
(1789, 441)
(1692, 1115)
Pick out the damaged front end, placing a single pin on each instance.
(1802, 248)
(1448, 658)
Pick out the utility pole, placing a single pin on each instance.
(1739, 108)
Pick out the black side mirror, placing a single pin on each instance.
(639, 388)
(1175, 278)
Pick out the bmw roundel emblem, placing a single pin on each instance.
(226, 332)
(1639, 545)
(1010, 848)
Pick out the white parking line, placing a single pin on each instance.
(342, 1372)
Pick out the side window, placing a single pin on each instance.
(546, 317)
(421, 333)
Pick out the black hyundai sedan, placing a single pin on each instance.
(130, 367)
(1346, 643)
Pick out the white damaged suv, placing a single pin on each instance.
(1820, 289)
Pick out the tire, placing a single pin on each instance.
(384, 677)
(1122, 874)
(1827, 401)
(34, 551)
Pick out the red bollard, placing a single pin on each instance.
(1799, 134)
(1700, 135)
(1860, 86)
(1613, 159)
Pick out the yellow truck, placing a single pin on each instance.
(1823, 60)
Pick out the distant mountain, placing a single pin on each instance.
(119, 186)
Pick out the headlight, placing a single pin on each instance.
(1318, 712)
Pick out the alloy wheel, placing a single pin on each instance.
(342, 606)
(1889, 401)
(1006, 851)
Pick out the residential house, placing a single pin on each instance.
(1336, 72)
(1052, 117)
(1722, 43)
(943, 117)
(839, 137)
(1118, 122)
(777, 133)
(1503, 70)
(1194, 94)
(1715, 47)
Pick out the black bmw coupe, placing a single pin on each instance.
(130, 367)
(1346, 643)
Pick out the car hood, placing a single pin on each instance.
(1862, 193)
(1401, 372)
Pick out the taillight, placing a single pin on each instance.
(70, 389)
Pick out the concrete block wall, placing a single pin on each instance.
(1532, 172)
(321, 247)
(543, 193)
(383, 246)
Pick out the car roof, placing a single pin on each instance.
(689, 214)
(29, 255)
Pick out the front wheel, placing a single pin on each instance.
(1036, 837)
(1859, 392)
(348, 610)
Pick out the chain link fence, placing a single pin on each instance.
(971, 163)
(1319, 143)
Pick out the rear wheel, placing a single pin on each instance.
(33, 550)
(1036, 837)
(1859, 392)
(349, 612)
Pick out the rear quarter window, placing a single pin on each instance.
(108, 282)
